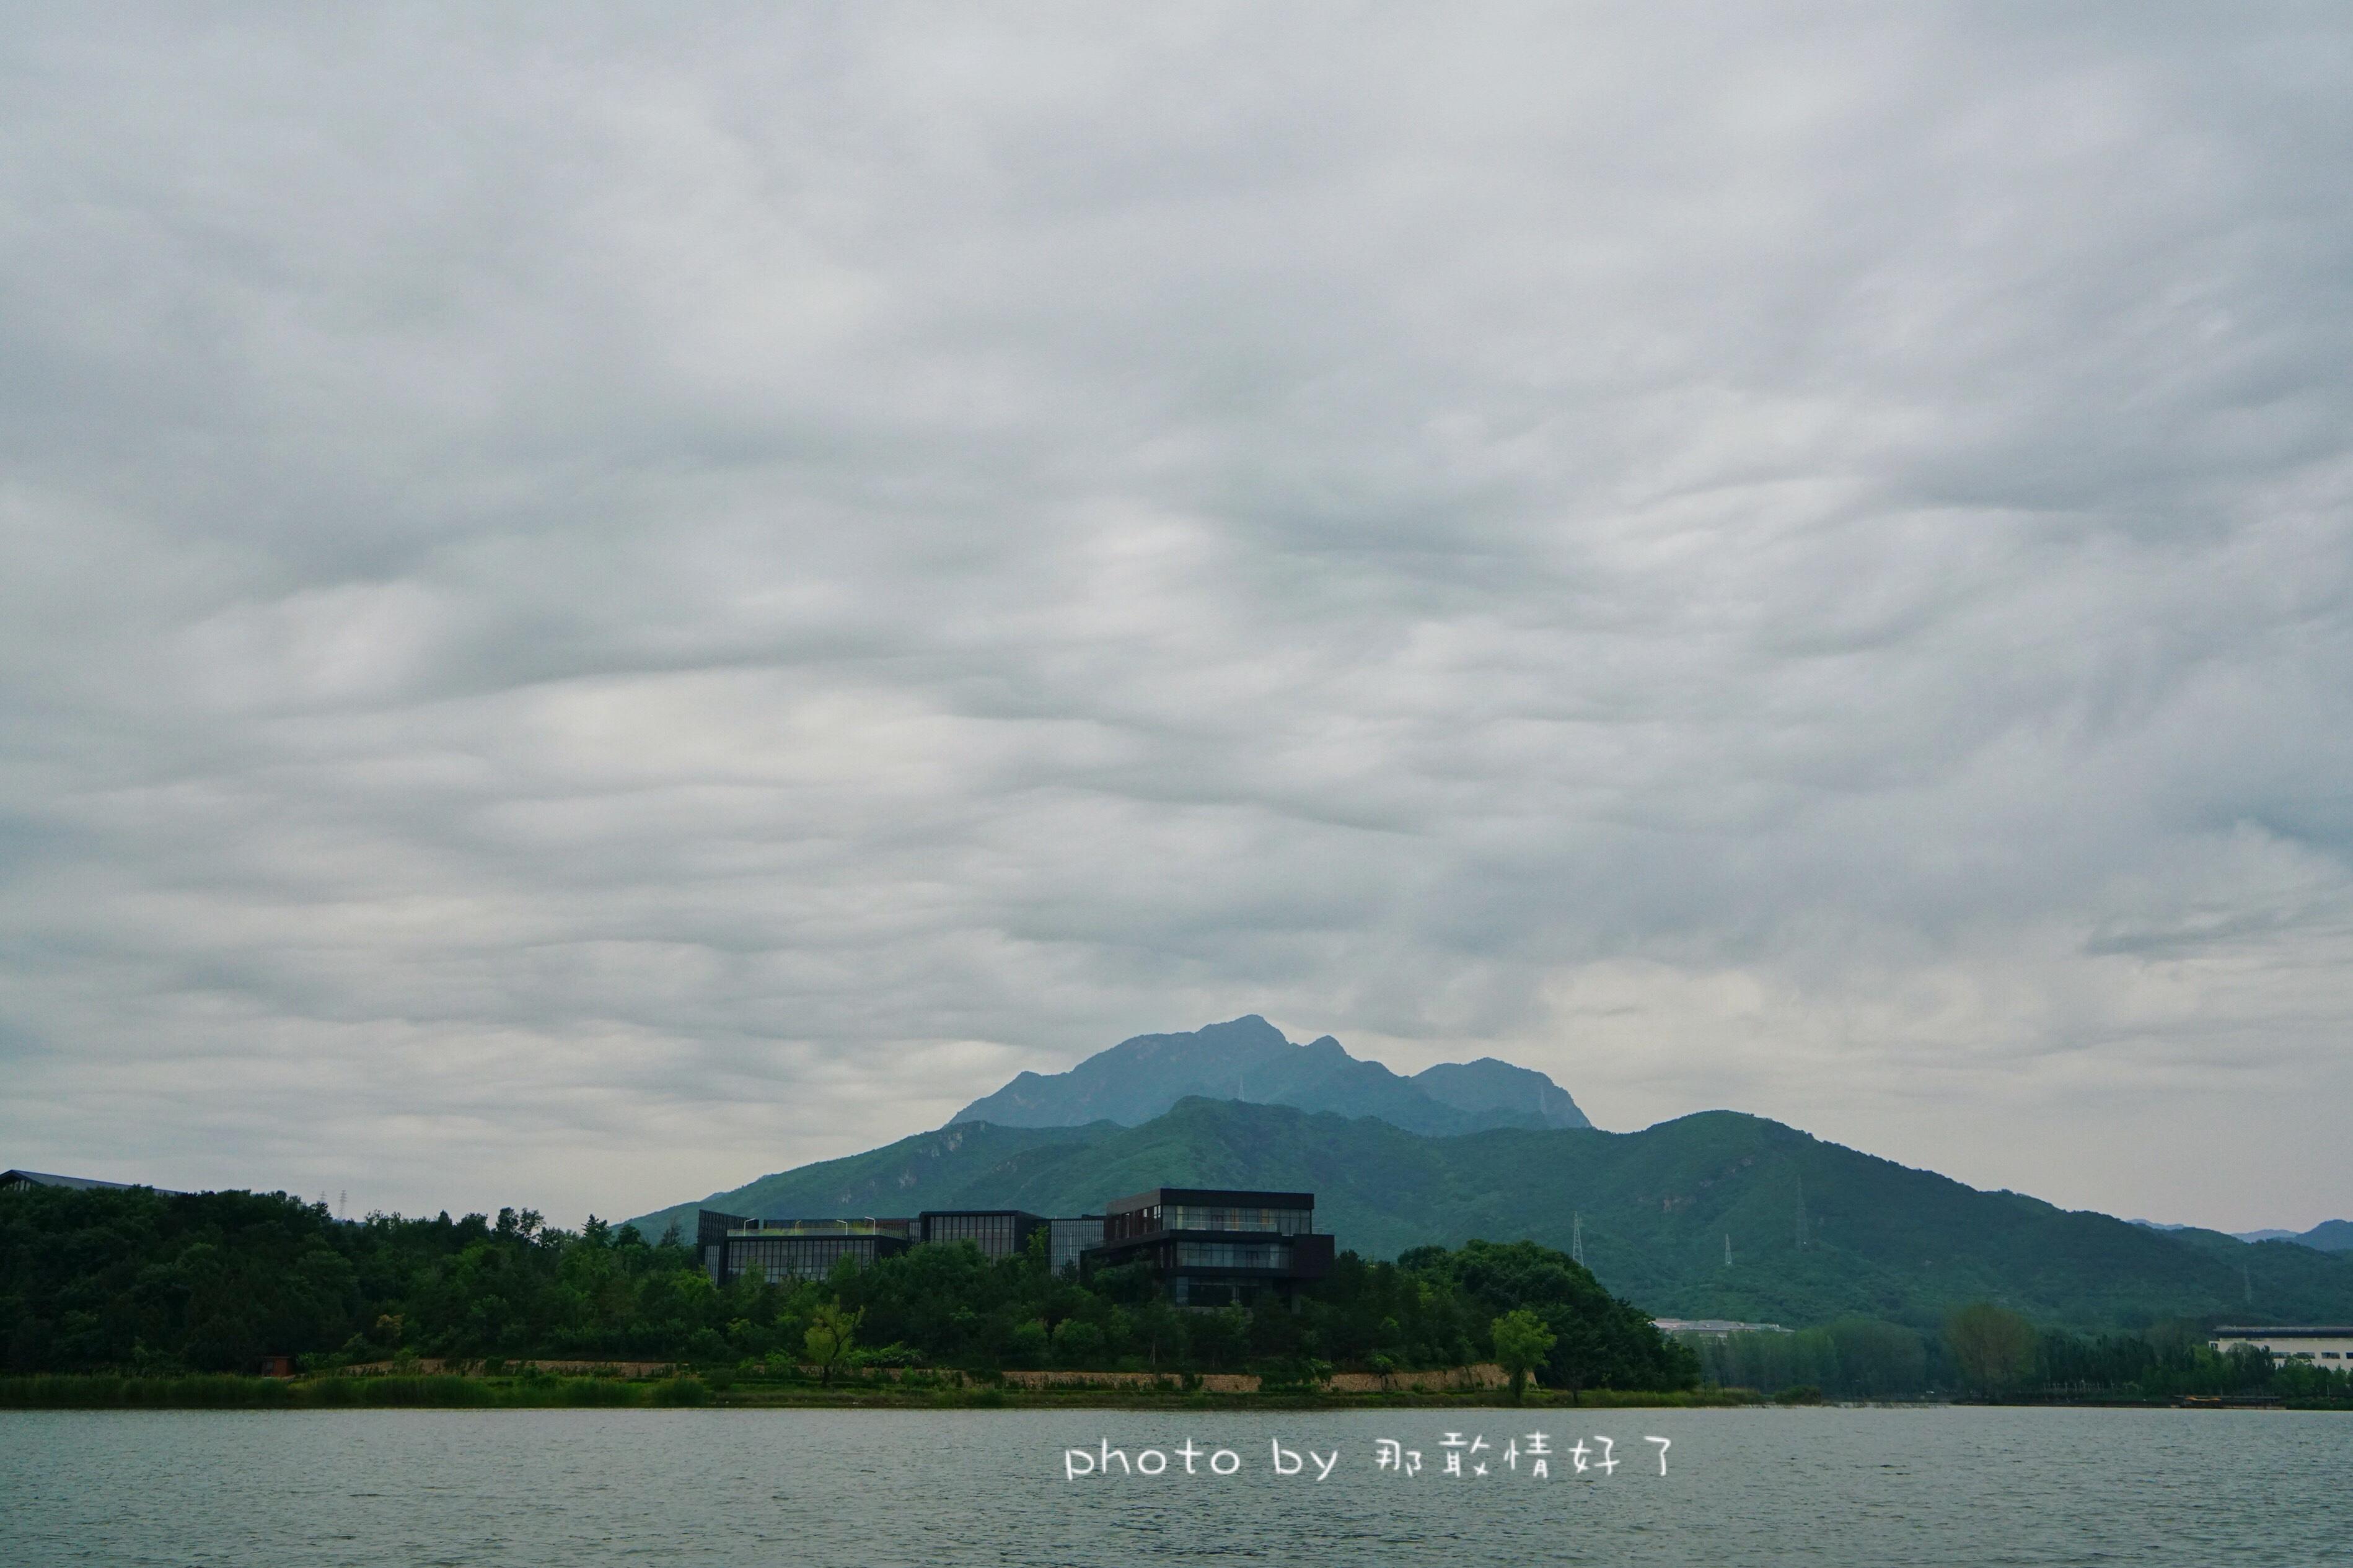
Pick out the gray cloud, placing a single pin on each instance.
(592, 606)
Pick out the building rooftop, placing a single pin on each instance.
(1210, 1197)
(897, 1228)
(77, 1183)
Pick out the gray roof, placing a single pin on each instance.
(79, 1184)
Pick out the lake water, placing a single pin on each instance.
(1863, 1488)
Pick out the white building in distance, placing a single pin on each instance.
(2320, 1344)
(1713, 1328)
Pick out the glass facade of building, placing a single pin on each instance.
(782, 1258)
(1205, 1216)
(781, 1250)
(999, 1233)
(1147, 1214)
(1215, 1249)
(1069, 1237)
(1233, 1254)
(1192, 1290)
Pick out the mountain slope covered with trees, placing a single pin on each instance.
(1816, 1231)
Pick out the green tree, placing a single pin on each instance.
(1600, 1342)
(1878, 1359)
(1080, 1345)
(831, 1334)
(1992, 1346)
(1522, 1342)
(1160, 1328)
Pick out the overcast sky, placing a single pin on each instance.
(592, 608)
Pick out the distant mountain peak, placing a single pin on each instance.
(1248, 1058)
(2328, 1236)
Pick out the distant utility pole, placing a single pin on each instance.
(343, 1203)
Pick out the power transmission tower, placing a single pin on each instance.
(1727, 1249)
(1576, 1239)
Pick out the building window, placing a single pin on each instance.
(1204, 1216)
(1232, 1255)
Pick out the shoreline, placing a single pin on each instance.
(723, 1392)
(99, 1391)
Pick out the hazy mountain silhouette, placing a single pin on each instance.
(1249, 1060)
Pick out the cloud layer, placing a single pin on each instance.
(594, 604)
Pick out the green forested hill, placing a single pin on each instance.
(1818, 1231)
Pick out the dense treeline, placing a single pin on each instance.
(1986, 1352)
(136, 1281)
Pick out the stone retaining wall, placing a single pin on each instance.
(433, 1366)
(1445, 1380)
(1214, 1382)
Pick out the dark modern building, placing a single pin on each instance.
(1216, 1247)
(789, 1249)
(1209, 1247)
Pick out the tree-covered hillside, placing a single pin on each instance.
(139, 1281)
(1817, 1231)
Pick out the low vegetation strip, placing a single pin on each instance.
(221, 1392)
(496, 1366)
(1484, 1376)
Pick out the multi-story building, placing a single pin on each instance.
(2311, 1342)
(1216, 1246)
(1207, 1248)
(788, 1249)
